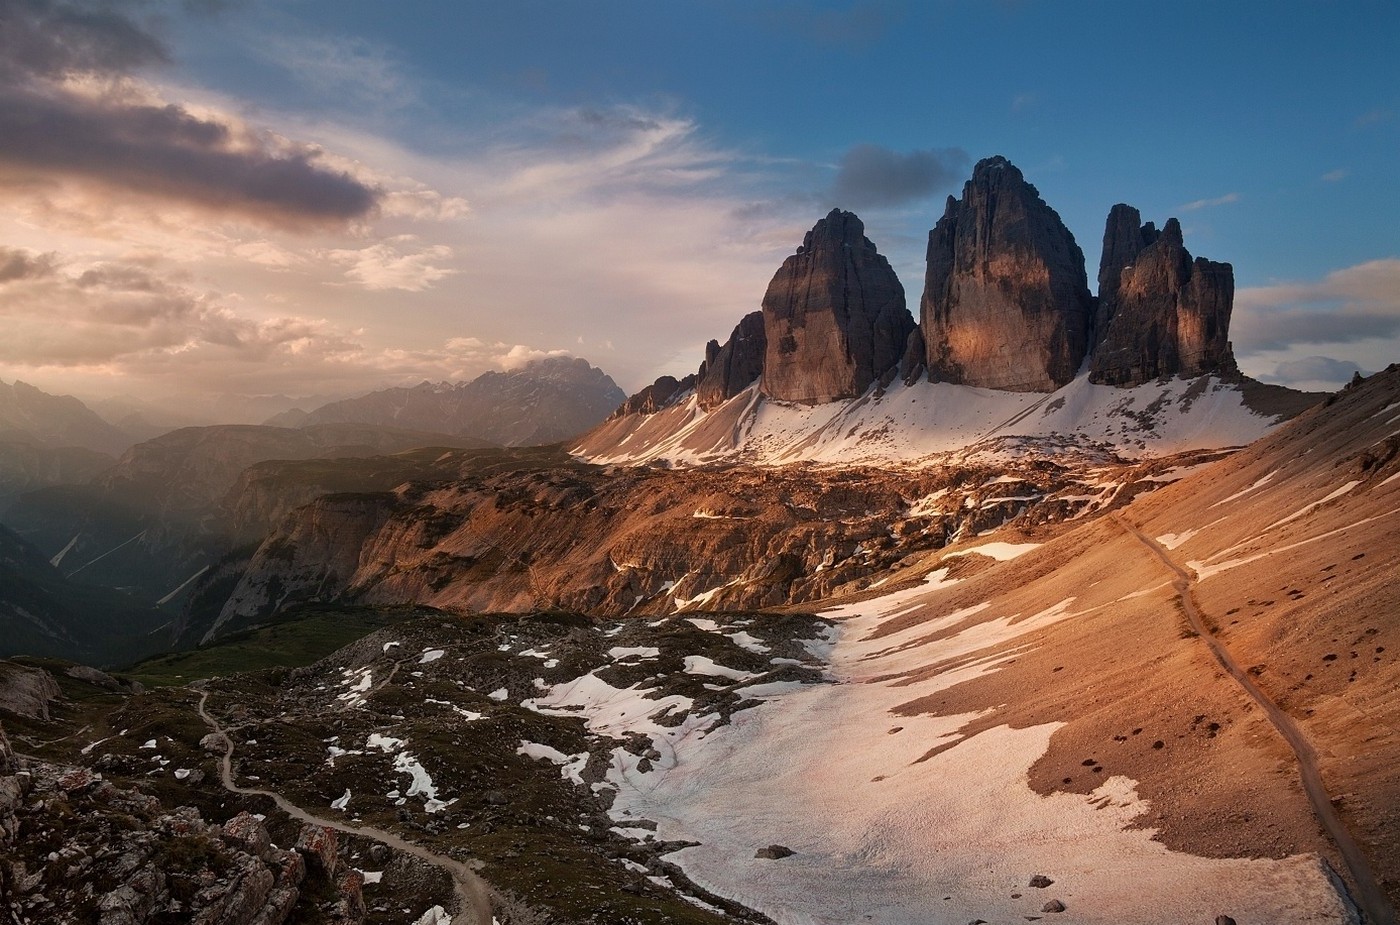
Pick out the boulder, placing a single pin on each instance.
(317, 844)
(730, 369)
(26, 691)
(1006, 302)
(834, 317)
(93, 676)
(1164, 314)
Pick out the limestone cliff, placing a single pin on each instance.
(834, 316)
(1006, 302)
(1160, 312)
(730, 369)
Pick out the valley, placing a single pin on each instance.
(1034, 609)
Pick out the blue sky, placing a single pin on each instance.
(468, 185)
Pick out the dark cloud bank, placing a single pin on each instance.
(874, 176)
(119, 142)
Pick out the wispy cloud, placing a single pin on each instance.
(1198, 204)
(1332, 176)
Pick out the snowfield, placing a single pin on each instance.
(934, 421)
(863, 798)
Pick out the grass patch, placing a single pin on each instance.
(299, 636)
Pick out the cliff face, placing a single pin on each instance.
(1006, 302)
(1160, 312)
(730, 369)
(834, 316)
(1006, 305)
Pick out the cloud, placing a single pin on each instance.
(1332, 176)
(1209, 203)
(70, 110)
(873, 176)
(17, 264)
(1348, 306)
(390, 265)
(1021, 101)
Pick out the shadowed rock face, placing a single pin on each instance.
(1160, 312)
(834, 316)
(1006, 302)
(730, 369)
(655, 396)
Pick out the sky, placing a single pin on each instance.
(316, 198)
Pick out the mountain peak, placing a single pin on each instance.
(834, 317)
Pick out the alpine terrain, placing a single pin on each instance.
(1026, 605)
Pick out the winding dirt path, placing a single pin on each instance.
(1369, 896)
(472, 892)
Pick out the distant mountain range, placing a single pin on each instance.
(544, 401)
(33, 416)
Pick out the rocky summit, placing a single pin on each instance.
(730, 369)
(1160, 312)
(1006, 303)
(833, 316)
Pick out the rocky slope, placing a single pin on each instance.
(833, 316)
(1006, 303)
(44, 613)
(645, 541)
(544, 401)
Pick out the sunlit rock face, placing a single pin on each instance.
(1160, 312)
(834, 316)
(1006, 302)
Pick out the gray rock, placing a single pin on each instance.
(1053, 905)
(730, 369)
(27, 691)
(1006, 302)
(93, 676)
(1224, 920)
(834, 316)
(1040, 881)
(214, 743)
(774, 852)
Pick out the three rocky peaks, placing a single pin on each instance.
(1006, 305)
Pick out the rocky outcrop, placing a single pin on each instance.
(656, 396)
(1160, 312)
(834, 316)
(26, 691)
(1006, 302)
(132, 861)
(730, 369)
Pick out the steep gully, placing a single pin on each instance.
(1369, 896)
(472, 892)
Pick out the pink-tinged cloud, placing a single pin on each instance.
(68, 112)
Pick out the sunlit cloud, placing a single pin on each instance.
(395, 264)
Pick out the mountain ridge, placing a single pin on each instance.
(544, 401)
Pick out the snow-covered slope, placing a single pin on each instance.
(929, 421)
